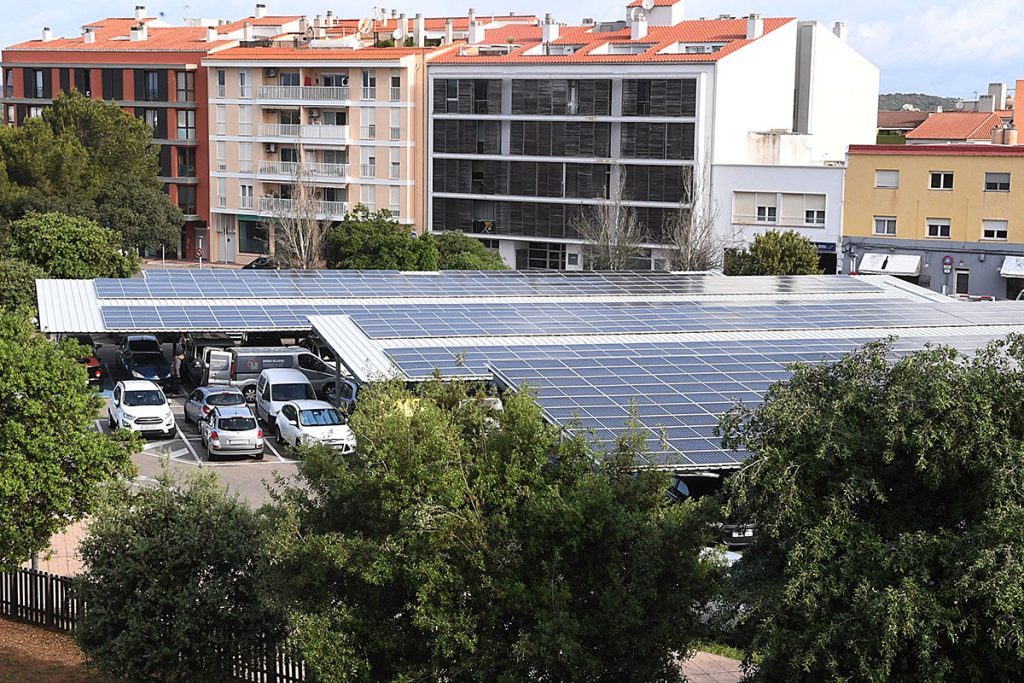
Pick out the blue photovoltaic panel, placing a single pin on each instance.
(217, 283)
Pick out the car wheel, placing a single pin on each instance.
(188, 420)
(277, 433)
(258, 457)
(250, 394)
(110, 421)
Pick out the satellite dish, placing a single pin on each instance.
(398, 34)
(310, 33)
(365, 24)
(648, 5)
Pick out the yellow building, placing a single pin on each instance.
(948, 217)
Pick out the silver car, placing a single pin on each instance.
(204, 399)
(231, 430)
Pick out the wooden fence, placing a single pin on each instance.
(45, 599)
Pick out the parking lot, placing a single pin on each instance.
(185, 452)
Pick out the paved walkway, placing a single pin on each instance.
(708, 668)
(62, 557)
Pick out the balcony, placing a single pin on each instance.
(369, 92)
(292, 169)
(396, 94)
(368, 171)
(277, 206)
(292, 93)
(305, 131)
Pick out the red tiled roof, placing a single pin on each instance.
(906, 120)
(316, 53)
(657, 3)
(261, 21)
(957, 125)
(112, 35)
(731, 32)
(970, 150)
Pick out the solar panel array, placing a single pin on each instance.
(220, 283)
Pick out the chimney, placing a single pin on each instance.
(755, 27)
(47, 34)
(448, 32)
(329, 19)
(247, 31)
(139, 33)
(90, 35)
(394, 14)
(471, 14)
(986, 103)
(842, 33)
(211, 34)
(998, 93)
(418, 30)
(403, 23)
(550, 29)
(476, 29)
(261, 10)
(638, 27)
(140, 12)
(998, 137)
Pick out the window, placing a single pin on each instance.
(153, 118)
(370, 197)
(643, 98)
(253, 237)
(368, 167)
(245, 157)
(9, 83)
(245, 120)
(994, 230)
(335, 118)
(38, 89)
(887, 179)
(187, 199)
(336, 81)
(997, 182)
(941, 180)
(221, 83)
(938, 228)
(396, 124)
(244, 85)
(186, 86)
(885, 225)
(369, 85)
(12, 114)
(396, 87)
(396, 164)
(186, 125)
(246, 200)
(186, 162)
(814, 217)
(151, 86)
(396, 201)
(222, 120)
(35, 112)
(451, 94)
(222, 192)
(222, 156)
(367, 125)
(481, 97)
(767, 214)
(290, 78)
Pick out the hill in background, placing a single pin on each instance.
(895, 102)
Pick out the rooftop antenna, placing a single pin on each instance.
(187, 10)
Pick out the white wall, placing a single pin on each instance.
(753, 91)
(826, 180)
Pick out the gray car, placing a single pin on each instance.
(232, 430)
(204, 399)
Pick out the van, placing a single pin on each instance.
(241, 367)
(276, 387)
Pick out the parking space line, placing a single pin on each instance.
(188, 445)
(267, 444)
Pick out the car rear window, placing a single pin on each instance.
(143, 345)
(291, 392)
(148, 359)
(225, 398)
(237, 424)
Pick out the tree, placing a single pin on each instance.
(460, 546)
(612, 232)
(52, 461)
(372, 240)
(299, 234)
(70, 247)
(457, 251)
(170, 582)
(888, 498)
(692, 231)
(18, 284)
(776, 252)
(144, 219)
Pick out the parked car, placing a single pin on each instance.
(263, 263)
(140, 406)
(142, 357)
(203, 400)
(318, 348)
(231, 430)
(241, 367)
(304, 422)
(195, 345)
(275, 387)
(91, 362)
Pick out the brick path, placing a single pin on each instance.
(63, 553)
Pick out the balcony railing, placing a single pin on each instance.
(306, 131)
(368, 170)
(246, 202)
(245, 91)
(369, 92)
(292, 169)
(276, 205)
(396, 94)
(302, 92)
(396, 133)
(221, 91)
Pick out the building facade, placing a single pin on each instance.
(946, 217)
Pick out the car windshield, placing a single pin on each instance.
(136, 345)
(320, 417)
(225, 398)
(148, 359)
(237, 424)
(291, 392)
(144, 397)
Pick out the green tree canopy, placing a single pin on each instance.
(69, 247)
(144, 218)
(453, 547)
(372, 240)
(888, 498)
(776, 252)
(18, 284)
(457, 251)
(52, 461)
(170, 582)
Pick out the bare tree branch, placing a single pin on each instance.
(694, 242)
(612, 231)
(298, 234)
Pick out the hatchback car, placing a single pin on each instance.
(231, 430)
(140, 406)
(308, 422)
(142, 358)
(204, 399)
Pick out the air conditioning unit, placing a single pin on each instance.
(344, 81)
(314, 113)
(270, 73)
(270, 148)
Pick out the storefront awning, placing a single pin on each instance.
(1013, 266)
(902, 265)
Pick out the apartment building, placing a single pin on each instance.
(530, 126)
(947, 217)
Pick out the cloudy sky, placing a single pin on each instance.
(942, 47)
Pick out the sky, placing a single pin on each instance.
(940, 47)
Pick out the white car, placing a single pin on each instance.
(276, 386)
(300, 422)
(140, 405)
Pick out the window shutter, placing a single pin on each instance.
(140, 85)
(65, 80)
(161, 86)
